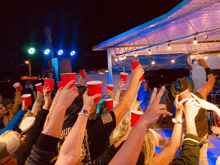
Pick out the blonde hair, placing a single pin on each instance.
(148, 147)
(9, 135)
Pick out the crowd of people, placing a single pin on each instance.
(70, 128)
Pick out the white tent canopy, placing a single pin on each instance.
(190, 20)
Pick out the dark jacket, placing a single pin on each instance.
(43, 151)
(24, 151)
(189, 154)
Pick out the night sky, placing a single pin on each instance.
(78, 25)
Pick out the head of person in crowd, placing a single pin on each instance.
(3, 110)
(48, 74)
(10, 135)
(7, 103)
(182, 87)
(77, 104)
(151, 139)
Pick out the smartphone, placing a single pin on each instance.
(195, 61)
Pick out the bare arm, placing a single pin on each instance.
(207, 88)
(169, 153)
(65, 99)
(117, 95)
(129, 96)
(129, 152)
(71, 148)
(15, 107)
(38, 102)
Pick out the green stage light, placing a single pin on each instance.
(31, 50)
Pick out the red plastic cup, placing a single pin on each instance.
(83, 73)
(109, 104)
(27, 99)
(67, 77)
(134, 65)
(123, 76)
(110, 87)
(39, 87)
(59, 84)
(17, 86)
(94, 87)
(135, 116)
(49, 82)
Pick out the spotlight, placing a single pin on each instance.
(149, 51)
(135, 55)
(153, 62)
(60, 52)
(172, 60)
(72, 53)
(169, 47)
(120, 58)
(47, 51)
(116, 59)
(124, 57)
(31, 50)
(206, 57)
(195, 41)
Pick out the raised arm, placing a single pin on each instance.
(129, 96)
(169, 153)
(129, 152)
(207, 88)
(117, 95)
(15, 107)
(71, 148)
(38, 102)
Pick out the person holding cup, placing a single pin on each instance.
(103, 125)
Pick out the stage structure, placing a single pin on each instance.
(189, 30)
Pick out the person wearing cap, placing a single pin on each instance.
(183, 87)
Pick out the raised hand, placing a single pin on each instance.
(88, 101)
(203, 63)
(206, 105)
(39, 96)
(155, 109)
(67, 95)
(81, 80)
(191, 108)
(47, 94)
(138, 72)
(24, 106)
(121, 84)
(110, 93)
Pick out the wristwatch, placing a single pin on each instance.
(84, 112)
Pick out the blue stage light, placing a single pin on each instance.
(60, 52)
(73, 53)
(47, 51)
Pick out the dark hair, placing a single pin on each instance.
(77, 104)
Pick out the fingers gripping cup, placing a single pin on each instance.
(67, 77)
(95, 87)
(110, 87)
(83, 73)
(39, 87)
(59, 84)
(134, 65)
(109, 104)
(123, 76)
(17, 86)
(27, 99)
(49, 83)
(135, 116)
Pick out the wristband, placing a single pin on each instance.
(208, 71)
(176, 121)
(84, 112)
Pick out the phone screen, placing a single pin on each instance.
(195, 61)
